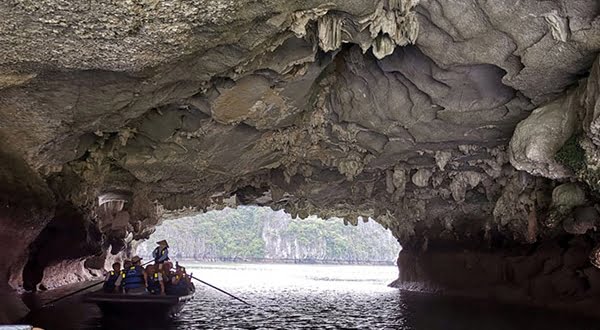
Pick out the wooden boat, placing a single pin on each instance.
(129, 305)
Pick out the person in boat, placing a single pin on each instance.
(180, 283)
(161, 253)
(167, 275)
(167, 272)
(135, 279)
(126, 265)
(191, 286)
(112, 282)
(156, 284)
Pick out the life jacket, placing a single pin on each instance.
(154, 284)
(167, 280)
(133, 278)
(182, 286)
(159, 255)
(110, 283)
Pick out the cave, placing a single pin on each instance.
(468, 129)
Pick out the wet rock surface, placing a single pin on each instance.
(451, 124)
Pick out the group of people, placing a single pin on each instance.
(159, 278)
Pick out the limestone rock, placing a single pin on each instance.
(591, 123)
(462, 182)
(584, 219)
(568, 195)
(399, 180)
(14, 79)
(558, 25)
(517, 202)
(538, 138)
(421, 177)
(442, 158)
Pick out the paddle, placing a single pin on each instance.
(83, 289)
(70, 294)
(221, 290)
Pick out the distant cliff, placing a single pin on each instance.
(254, 233)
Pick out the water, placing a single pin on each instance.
(317, 297)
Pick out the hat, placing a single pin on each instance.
(164, 241)
(136, 259)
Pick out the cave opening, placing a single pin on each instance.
(254, 250)
(253, 233)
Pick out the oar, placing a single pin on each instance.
(76, 292)
(70, 294)
(221, 290)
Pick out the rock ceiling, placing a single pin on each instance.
(401, 110)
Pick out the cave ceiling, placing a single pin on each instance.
(401, 110)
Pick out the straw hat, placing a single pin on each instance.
(135, 259)
(164, 241)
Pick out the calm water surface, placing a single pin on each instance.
(316, 297)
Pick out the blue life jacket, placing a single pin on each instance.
(154, 284)
(110, 283)
(159, 255)
(133, 278)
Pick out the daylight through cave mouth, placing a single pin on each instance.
(259, 234)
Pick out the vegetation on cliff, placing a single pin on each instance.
(572, 154)
(579, 154)
(256, 233)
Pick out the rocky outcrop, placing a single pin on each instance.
(532, 150)
(555, 275)
(403, 111)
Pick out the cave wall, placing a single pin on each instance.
(57, 254)
(26, 206)
(556, 213)
(470, 123)
(555, 274)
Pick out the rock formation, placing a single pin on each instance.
(469, 128)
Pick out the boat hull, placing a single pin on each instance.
(135, 306)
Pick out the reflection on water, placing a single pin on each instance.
(316, 297)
